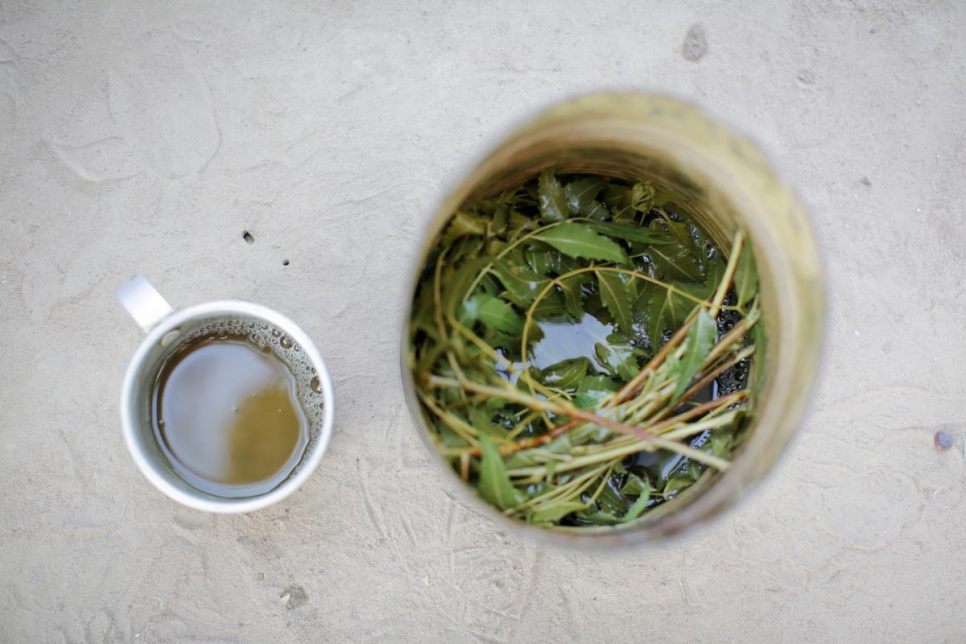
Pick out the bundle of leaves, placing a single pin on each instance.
(581, 350)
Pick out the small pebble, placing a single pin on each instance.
(867, 180)
(943, 441)
(695, 44)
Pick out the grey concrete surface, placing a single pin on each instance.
(147, 136)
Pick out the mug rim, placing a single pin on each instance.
(130, 421)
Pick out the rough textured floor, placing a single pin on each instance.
(147, 137)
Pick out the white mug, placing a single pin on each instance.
(168, 330)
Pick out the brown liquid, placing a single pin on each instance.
(226, 415)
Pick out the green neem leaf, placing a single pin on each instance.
(674, 261)
(675, 484)
(613, 198)
(593, 390)
(525, 458)
(553, 202)
(542, 259)
(636, 485)
(560, 445)
(617, 360)
(720, 443)
(581, 196)
(495, 485)
(641, 196)
(695, 470)
(758, 339)
(600, 517)
(447, 436)
(496, 313)
(575, 240)
(628, 232)
(456, 279)
(522, 285)
(705, 289)
(567, 374)
(639, 506)
(464, 223)
(573, 296)
(746, 276)
(617, 294)
(681, 233)
(697, 345)
(519, 224)
(555, 512)
(665, 309)
(469, 311)
(481, 419)
(500, 217)
(550, 307)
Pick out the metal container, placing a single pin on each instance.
(673, 145)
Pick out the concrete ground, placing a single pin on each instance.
(148, 136)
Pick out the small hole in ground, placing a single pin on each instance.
(284, 262)
(247, 236)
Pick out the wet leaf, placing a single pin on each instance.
(761, 347)
(636, 486)
(522, 285)
(720, 443)
(542, 259)
(551, 307)
(501, 216)
(676, 483)
(498, 314)
(567, 374)
(628, 232)
(581, 196)
(618, 360)
(616, 293)
(705, 289)
(578, 241)
(495, 485)
(463, 223)
(593, 390)
(665, 309)
(455, 281)
(674, 261)
(680, 232)
(697, 346)
(555, 512)
(572, 291)
(600, 517)
(481, 419)
(519, 225)
(525, 458)
(639, 506)
(746, 276)
(553, 203)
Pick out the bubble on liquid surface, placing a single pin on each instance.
(272, 340)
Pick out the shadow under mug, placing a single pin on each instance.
(168, 331)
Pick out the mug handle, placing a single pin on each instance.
(143, 302)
